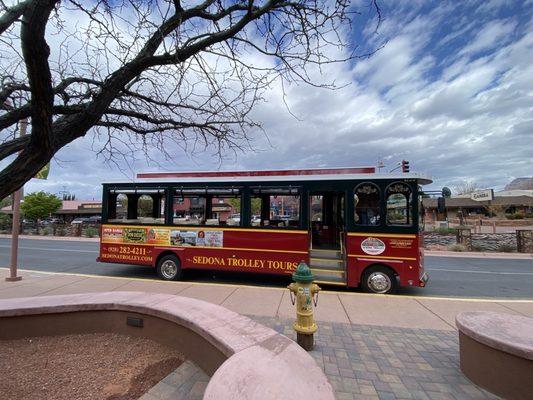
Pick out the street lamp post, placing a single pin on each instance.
(13, 277)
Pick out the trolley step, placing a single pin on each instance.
(325, 254)
(329, 276)
(325, 263)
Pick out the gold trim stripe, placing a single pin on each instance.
(382, 257)
(394, 235)
(205, 228)
(206, 247)
(330, 260)
(331, 283)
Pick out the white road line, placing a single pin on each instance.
(466, 271)
(52, 249)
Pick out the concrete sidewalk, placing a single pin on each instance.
(369, 346)
(339, 307)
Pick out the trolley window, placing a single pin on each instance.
(208, 206)
(367, 204)
(399, 204)
(136, 206)
(275, 207)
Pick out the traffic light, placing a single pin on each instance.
(405, 166)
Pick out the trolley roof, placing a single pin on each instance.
(280, 175)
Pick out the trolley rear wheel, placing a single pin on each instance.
(169, 268)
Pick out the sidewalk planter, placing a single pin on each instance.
(245, 360)
(496, 352)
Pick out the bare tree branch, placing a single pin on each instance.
(11, 15)
(142, 74)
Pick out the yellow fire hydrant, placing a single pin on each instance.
(304, 290)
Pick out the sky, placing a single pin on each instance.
(451, 91)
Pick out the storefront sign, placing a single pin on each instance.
(482, 195)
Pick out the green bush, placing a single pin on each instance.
(514, 216)
(91, 232)
(5, 222)
(477, 247)
(529, 215)
(457, 247)
(506, 248)
(60, 231)
(445, 231)
(47, 231)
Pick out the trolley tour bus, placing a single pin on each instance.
(352, 226)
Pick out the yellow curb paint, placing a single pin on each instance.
(344, 293)
(330, 283)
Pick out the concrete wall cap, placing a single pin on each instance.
(261, 364)
(512, 334)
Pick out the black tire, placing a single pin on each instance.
(380, 280)
(169, 268)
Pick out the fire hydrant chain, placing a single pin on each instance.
(304, 292)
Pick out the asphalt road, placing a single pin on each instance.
(449, 276)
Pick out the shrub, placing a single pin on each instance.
(445, 231)
(91, 232)
(47, 231)
(529, 215)
(477, 247)
(514, 216)
(60, 231)
(5, 221)
(457, 247)
(506, 248)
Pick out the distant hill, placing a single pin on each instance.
(520, 184)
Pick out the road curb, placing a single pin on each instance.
(58, 238)
(325, 291)
(471, 254)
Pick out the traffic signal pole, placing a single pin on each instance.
(13, 277)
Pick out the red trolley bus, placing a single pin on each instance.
(353, 226)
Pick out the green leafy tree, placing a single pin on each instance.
(256, 205)
(144, 206)
(40, 205)
(255, 202)
(6, 202)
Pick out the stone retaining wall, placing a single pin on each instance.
(480, 241)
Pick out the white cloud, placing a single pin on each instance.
(493, 35)
(456, 102)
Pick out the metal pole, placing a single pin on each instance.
(13, 277)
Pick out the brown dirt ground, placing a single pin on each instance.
(77, 367)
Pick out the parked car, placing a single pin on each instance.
(80, 220)
(96, 219)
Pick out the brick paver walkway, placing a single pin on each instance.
(371, 362)
(362, 362)
(187, 382)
